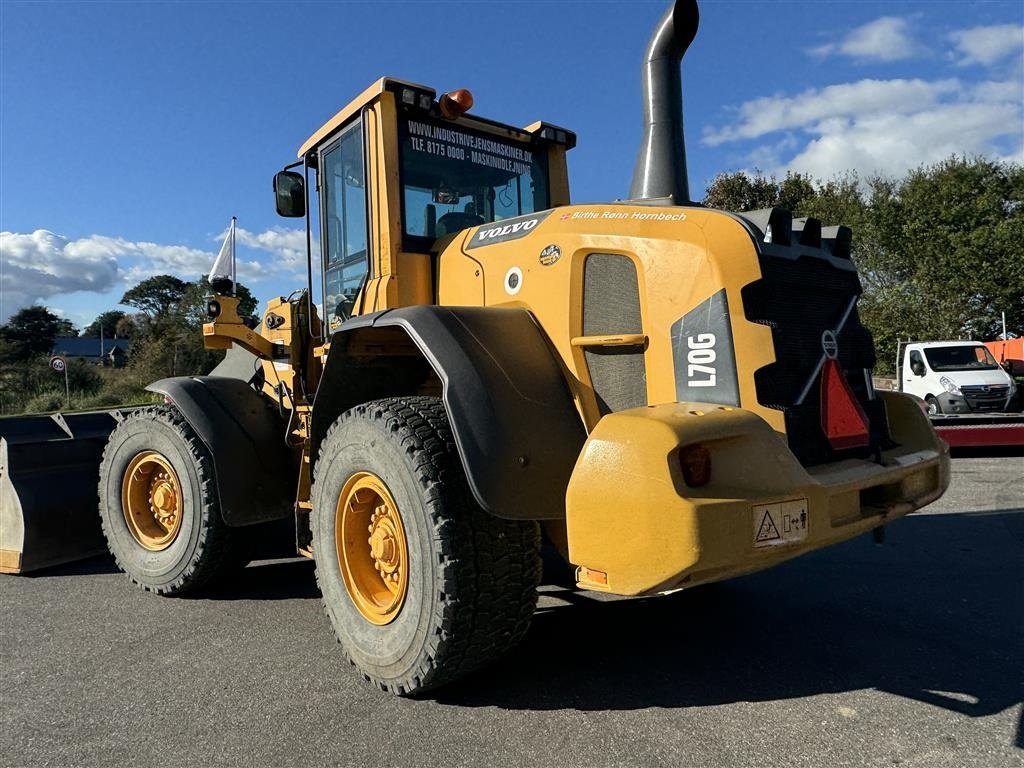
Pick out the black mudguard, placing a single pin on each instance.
(256, 472)
(516, 427)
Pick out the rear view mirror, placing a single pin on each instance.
(917, 368)
(290, 194)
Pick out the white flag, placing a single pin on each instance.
(224, 265)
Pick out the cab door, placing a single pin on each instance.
(343, 217)
(915, 374)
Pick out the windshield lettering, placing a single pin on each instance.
(454, 177)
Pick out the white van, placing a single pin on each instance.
(955, 377)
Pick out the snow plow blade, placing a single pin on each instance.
(49, 470)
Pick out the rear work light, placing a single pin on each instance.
(695, 461)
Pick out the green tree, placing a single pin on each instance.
(739, 191)
(108, 321)
(156, 296)
(962, 235)
(126, 328)
(31, 331)
(939, 251)
(169, 342)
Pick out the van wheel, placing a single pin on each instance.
(933, 405)
(159, 506)
(421, 585)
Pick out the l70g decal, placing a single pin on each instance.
(703, 355)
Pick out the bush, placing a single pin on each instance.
(44, 402)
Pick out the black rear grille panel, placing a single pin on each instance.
(799, 299)
(611, 305)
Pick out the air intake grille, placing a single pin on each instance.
(611, 305)
(799, 299)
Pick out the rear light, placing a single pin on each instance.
(695, 461)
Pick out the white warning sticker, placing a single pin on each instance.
(784, 522)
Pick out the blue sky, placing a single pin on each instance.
(130, 133)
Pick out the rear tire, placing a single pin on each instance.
(467, 587)
(159, 505)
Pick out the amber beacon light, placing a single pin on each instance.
(456, 103)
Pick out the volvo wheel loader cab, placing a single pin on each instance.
(672, 394)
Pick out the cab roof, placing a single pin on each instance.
(540, 128)
(360, 101)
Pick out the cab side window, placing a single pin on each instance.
(346, 261)
(917, 362)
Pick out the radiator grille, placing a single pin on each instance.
(986, 398)
(611, 305)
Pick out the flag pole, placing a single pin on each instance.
(234, 274)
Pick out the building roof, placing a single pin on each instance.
(74, 346)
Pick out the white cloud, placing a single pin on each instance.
(892, 144)
(776, 113)
(38, 266)
(880, 126)
(287, 245)
(988, 45)
(884, 39)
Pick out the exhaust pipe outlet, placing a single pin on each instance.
(660, 173)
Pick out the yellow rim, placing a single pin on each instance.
(372, 551)
(151, 500)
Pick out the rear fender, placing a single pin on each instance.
(514, 421)
(256, 473)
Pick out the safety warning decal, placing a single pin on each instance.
(784, 522)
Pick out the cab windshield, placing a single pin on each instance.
(960, 358)
(454, 177)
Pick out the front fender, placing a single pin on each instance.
(255, 472)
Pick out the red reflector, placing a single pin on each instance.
(842, 419)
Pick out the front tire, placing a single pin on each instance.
(421, 585)
(159, 506)
(933, 406)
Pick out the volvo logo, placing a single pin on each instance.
(829, 345)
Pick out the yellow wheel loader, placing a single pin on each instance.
(668, 394)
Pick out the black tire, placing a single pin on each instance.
(933, 405)
(204, 548)
(472, 577)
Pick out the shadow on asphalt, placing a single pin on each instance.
(975, 452)
(936, 615)
(926, 619)
(288, 579)
(291, 579)
(93, 566)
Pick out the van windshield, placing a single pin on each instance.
(454, 176)
(960, 358)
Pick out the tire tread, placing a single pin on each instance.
(486, 589)
(218, 550)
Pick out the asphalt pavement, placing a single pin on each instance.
(905, 654)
